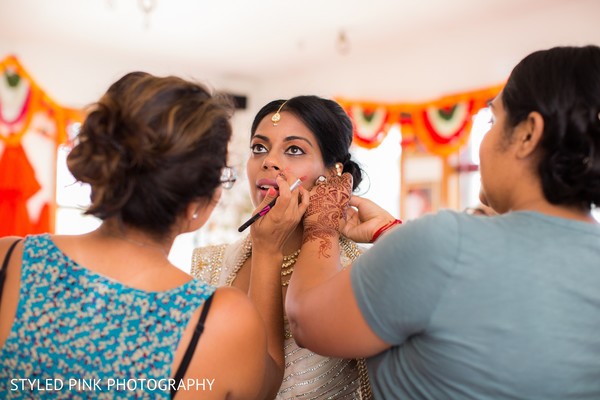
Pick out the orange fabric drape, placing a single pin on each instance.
(35, 130)
(17, 185)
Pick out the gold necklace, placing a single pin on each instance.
(349, 248)
(287, 267)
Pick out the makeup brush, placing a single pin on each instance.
(266, 208)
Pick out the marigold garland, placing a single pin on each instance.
(441, 126)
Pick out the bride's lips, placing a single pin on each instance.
(263, 186)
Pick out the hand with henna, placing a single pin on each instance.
(327, 209)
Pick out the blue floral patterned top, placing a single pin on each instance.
(78, 334)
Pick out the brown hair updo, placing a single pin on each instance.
(149, 147)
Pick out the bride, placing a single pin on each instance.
(305, 136)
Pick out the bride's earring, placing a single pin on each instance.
(339, 168)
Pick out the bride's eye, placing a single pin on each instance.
(258, 148)
(295, 150)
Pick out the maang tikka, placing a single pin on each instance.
(277, 117)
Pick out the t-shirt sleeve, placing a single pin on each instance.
(398, 282)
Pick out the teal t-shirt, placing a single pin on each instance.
(484, 307)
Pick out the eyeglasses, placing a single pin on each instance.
(228, 177)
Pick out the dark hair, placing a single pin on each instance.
(149, 147)
(330, 124)
(563, 85)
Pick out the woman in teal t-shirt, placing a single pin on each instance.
(454, 305)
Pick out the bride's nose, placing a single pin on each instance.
(270, 163)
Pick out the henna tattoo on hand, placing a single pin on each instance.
(328, 204)
(313, 231)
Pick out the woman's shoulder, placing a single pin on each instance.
(442, 223)
(231, 300)
(7, 241)
(226, 302)
(241, 338)
(230, 344)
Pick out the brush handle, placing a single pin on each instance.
(257, 215)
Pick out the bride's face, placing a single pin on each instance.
(288, 147)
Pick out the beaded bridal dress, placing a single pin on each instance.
(307, 375)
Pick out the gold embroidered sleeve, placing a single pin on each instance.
(207, 263)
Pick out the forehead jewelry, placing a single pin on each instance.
(277, 117)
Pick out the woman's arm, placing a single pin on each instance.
(232, 357)
(269, 234)
(323, 312)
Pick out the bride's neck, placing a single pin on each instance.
(294, 242)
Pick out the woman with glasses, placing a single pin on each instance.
(304, 137)
(228, 177)
(106, 311)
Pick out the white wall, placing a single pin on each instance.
(419, 68)
(450, 59)
(447, 59)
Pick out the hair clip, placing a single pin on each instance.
(277, 117)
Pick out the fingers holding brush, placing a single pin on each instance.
(279, 216)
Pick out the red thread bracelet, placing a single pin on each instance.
(385, 228)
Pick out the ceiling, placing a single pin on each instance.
(260, 40)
